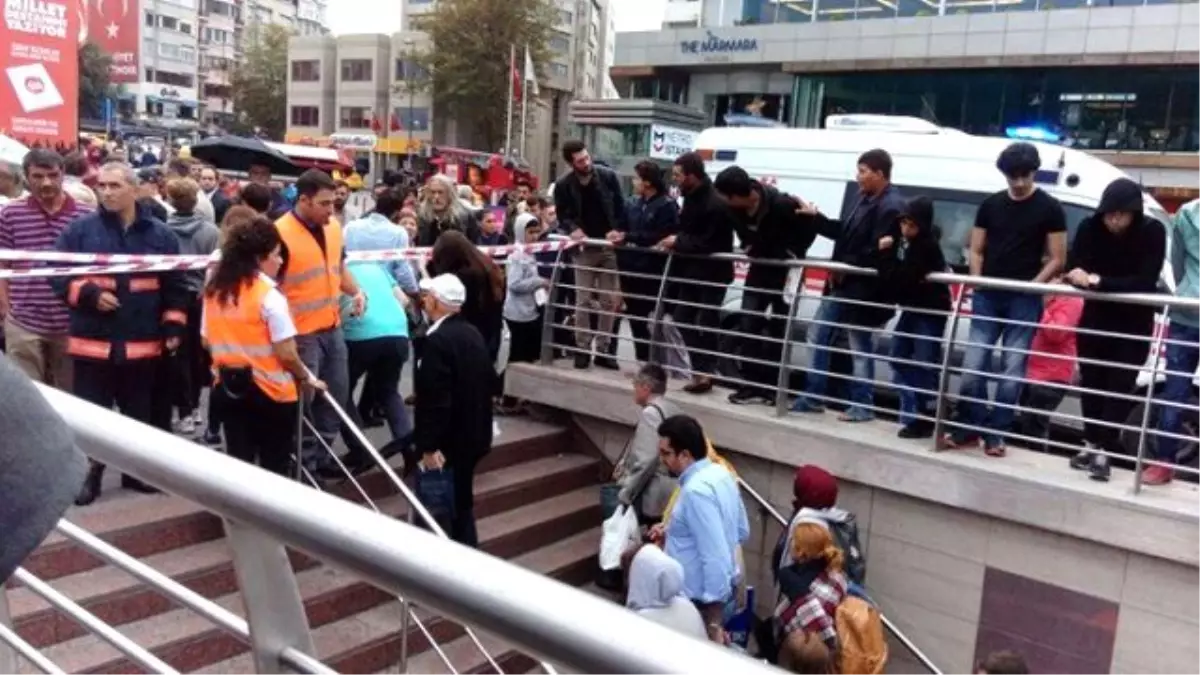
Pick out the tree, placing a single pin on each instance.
(259, 82)
(469, 59)
(95, 83)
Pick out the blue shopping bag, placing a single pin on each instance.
(435, 489)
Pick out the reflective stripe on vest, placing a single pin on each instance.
(238, 337)
(312, 281)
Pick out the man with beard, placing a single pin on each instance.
(589, 205)
(705, 227)
(771, 227)
(343, 212)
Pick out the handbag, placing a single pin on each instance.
(610, 492)
(435, 490)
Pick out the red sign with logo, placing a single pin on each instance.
(39, 95)
(113, 25)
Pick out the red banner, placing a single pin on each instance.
(39, 97)
(112, 25)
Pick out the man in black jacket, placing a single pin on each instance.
(872, 217)
(453, 414)
(770, 227)
(705, 227)
(589, 206)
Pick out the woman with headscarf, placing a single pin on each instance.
(815, 493)
(656, 592)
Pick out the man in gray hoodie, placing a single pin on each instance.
(40, 468)
(186, 371)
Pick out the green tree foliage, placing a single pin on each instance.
(259, 81)
(95, 84)
(469, 59)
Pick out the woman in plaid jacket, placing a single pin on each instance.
(810, 590)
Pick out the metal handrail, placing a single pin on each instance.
(536, 614)
(891, 628)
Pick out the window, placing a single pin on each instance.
(416, 119)
(150, 19)
(407, 70)
(306, 71)
(217, 36)
(168, 22)
(306, 116)
(185, 28)
(354, 118)
(356, 70)
(559, 43)
(177, 52)
(557, 69)
(219, 8)
(565, 18)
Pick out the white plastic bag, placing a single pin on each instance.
(619, 530)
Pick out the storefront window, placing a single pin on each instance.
(746, 109)
(1133, 108)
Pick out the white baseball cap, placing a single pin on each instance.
(447, 288)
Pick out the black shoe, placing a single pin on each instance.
(397, 446)
(607, 362)
(131, 483)
(1099, 470)
(1081, 461)
(211, 438)
(918, 429)
(583, 361)
(91, 485)
(698, 386)
(330, 470)
(747, 395)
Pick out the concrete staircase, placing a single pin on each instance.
(536, 503)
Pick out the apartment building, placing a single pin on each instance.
(168, 93)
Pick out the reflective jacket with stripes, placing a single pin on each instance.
(153, 306)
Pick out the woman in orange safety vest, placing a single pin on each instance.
(249, 332)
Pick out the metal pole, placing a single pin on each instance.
(1149, 399)
(786, 357)
(658, 305)
(408, 79)
(508, 122)
(299, 434)
(8, 653)
(944, 374)
(406, 609)
(547, 356)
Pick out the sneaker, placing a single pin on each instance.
(583, 361)
(1157, 475)
(1099, 469)
(856, 414)
(607, 362)
(747, 395)
(700, 386)
(186, 426)
(804, 405)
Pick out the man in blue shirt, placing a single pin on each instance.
(707, 523)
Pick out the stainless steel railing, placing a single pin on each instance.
(958, 351)
(264, 513)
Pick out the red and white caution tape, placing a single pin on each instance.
(119, 263)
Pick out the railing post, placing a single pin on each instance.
(300, 404)
(785, 357)
(1157, 345)
(271, 596)
(406, 609)
(547, 355)
(656, 321)
(944, 375)
(9, 663)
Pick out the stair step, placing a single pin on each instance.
(188, 641)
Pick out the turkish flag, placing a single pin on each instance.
(515, 74)
(395, 123)
(375, 124)
(113, 26)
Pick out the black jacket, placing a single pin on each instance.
(220, 204)
(706, 226)
(1129, 262)
(453, 412)
(904, 265)
(856, 240)
(568, 202)
(428, 229)
(648, 221)
(776, 232)
(153, 306)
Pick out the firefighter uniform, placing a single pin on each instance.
(116, 353)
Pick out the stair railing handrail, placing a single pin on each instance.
(535, 614)
(767, 508)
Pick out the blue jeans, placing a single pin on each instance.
(862, 386)
(991, 315)
(1182, 360)
(917, 337)
(324, 352)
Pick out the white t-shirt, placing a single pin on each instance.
(275, 312)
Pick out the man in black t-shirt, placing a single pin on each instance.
(1020, 234)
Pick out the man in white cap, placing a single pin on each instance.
(453, 412)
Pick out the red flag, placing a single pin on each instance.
(515, 73)
(395, 123)
(376, 126)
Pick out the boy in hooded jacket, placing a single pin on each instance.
(1117, 250)
(905, 258)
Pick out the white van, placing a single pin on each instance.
(954, 169)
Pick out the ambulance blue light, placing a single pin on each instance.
(725, 156)
(1032, 134)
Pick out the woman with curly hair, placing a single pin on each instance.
(249, 331)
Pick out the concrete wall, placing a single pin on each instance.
(964, 563)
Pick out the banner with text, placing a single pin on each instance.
(40, 99)
(113, 25)
(670, 142)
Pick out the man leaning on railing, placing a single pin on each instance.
(1020, 233)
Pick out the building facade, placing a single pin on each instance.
(1120, 81)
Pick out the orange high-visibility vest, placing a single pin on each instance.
(312, 282)
(238, 337)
